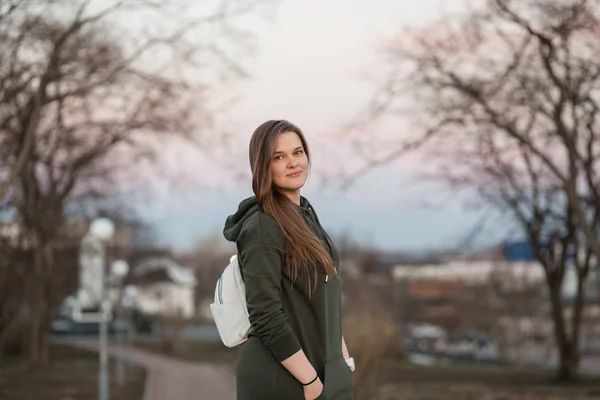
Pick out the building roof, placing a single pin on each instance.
(471, 271)
(163, 269)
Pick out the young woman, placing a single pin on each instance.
(295, 350)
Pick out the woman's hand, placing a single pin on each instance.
(314, 390)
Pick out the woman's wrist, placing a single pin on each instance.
(311, 382)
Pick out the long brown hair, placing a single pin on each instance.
(304, 251)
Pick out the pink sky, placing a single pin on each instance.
(316, 66)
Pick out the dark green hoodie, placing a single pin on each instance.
(283, 316)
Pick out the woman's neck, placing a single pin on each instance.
(293, 195)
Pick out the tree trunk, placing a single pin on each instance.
(35, 317)
(568, 368)
(43, 346)
(12, 331)
(37, 301)
(568, 361)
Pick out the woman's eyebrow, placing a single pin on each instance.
(281, 151)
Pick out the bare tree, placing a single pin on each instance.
(510, 94)
(85, 97)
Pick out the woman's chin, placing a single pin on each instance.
(292, 188)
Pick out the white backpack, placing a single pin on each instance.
(229, 309)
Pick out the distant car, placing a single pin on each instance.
(67, 327)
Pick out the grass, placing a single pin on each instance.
(72, 374)
(472, 382)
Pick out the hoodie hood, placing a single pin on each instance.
(235, 222)
(247, 207)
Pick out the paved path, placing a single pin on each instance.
(170, 379)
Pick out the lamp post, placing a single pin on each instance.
(103, 229)
(129, 302)
(118, 271)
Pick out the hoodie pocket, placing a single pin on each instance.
(256, 371)
(288, 384)
(339, 380)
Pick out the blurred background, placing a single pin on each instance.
(455, 162)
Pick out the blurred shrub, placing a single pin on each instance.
(373, 337)
(170, 327)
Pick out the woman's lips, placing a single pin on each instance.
(295, 174)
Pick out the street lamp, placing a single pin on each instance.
(103, 229)
(118, 271)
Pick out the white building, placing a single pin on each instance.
(164, 287)
(511, 274)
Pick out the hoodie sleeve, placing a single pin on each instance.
(262, 262)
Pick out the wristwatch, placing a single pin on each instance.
(350, 362)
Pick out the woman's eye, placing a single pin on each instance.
(300, 152)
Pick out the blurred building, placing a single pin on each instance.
(506, 295)
(10, 232)
(164, 287)
(469, 272)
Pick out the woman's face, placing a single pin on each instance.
(289, 163)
